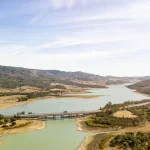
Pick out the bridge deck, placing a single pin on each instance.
(58, 114)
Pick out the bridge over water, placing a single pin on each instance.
(55, 115)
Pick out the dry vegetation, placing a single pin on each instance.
(29, 126)
(8, 101)
(24, 89)
(124, 114)
(27, 94)
(135, 119)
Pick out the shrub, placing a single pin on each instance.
(1, 122)
(5, 126)
(6, 120)
(13, 123)
(103, 141)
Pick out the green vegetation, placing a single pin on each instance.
(11, 123)
(105, 118)
(134, 141)
(1, 122)
(126, 104)
(1, 117)
(142, 87)
(30, 113)
(27, 96)
(7, 123)
(104, 141)
(13, 77)
(22, 125)
(95, 143)
(142, 111)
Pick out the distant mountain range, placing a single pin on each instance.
(12, 77)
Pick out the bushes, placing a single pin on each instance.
(103, 141)
(1, 122)
(115, 107)
(22, 125)
(29, 95)
(13, 123)
(5, 126)
(91, 123)
(6, 120)
(1, 117)
(20, 99)
(139, 141)
(105, 119)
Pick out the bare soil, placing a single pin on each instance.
(124, 114)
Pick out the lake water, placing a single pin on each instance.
(58, 135)
(63, 134)
(115, 94)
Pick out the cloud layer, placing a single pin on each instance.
(98, 36)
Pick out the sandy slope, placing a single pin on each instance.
(1, 142)
(33, 125)
(85, 143)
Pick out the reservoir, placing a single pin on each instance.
(63, 134)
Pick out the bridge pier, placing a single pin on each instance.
(54, 117)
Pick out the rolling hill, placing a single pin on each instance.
(12, 77)
(142, 87)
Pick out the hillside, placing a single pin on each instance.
(76, 75)
(142, 87)
(12, 77)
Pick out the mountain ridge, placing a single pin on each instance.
(11, 77)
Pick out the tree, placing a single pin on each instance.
(13, 123)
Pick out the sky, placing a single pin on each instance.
(105, 37)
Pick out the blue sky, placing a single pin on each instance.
(106, 37)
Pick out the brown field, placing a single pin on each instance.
(124, 113)
(21, 89)
(7, 101)
(33, 125)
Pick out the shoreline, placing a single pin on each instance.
(1, 142)
(87, 140)
(134, 90)
(81, 126)
(34, 125)
(91, 139)
(15, 103)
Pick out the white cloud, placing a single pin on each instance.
(66, 3)
(107, 34)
